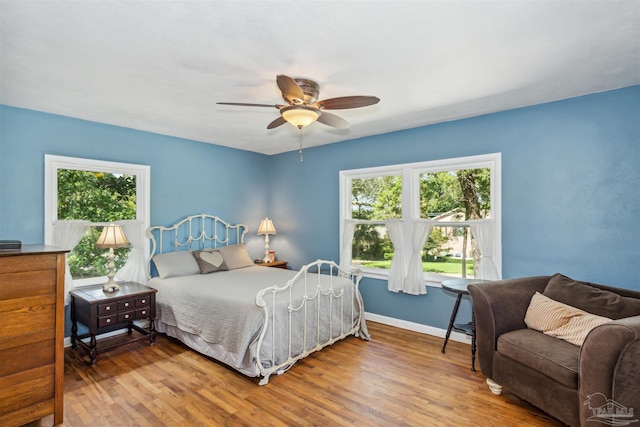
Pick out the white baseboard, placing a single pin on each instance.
(418, 327)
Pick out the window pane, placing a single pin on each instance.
(450, 251)
(456, 195)
(97, 197)
(371, 246)
(376, 198)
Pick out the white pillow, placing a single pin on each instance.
(560, 320)
(174, 264)
(235, 256)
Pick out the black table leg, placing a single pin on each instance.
(454, 313)
(473, 340)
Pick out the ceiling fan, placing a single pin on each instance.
(303, 107)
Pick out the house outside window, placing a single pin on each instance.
(84, 195)
(422, 216)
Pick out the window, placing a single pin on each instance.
(425, 215)
(82, 196)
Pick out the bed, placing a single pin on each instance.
(255, 319)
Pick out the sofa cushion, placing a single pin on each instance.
(560, 320)
(555, 358)
(590, 298)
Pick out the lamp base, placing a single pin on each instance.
(266, 259)
(111, 286)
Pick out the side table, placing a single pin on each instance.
(103, 312)
(274, 264)
(459, 286)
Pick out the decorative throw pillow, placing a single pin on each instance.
(174, 264)
(235, 256)
(210, 261)
(560, 320)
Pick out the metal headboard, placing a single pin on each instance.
(195, 232)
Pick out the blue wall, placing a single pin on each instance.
(570, 193)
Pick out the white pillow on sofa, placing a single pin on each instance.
(560, 320)
(174, 264)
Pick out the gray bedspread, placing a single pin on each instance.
(221, 309)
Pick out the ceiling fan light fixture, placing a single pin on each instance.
(299, 115)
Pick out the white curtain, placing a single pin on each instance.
(348, 228)
(414, 283)
(134, 269)
(66, 235)
(396, 271)
(483, 232)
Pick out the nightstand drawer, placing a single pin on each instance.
(142, 313)
(126, 316)
(107, 320)
(126, 305)
(107, 308)
(143, 302)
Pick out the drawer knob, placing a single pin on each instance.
(108, 320)
(144, 312)
(144, 300)
(126, 316)
(108, 308)
(126, 304)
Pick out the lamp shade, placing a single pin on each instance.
(112, 236)
(266, 228)
(300, 116)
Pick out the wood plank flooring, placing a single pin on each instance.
(399, 378)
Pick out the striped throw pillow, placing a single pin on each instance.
(560, 320)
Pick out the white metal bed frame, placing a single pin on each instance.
(185, 235)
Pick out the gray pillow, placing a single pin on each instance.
(174, 264)
(590, 298)
(210, 261)
(235, 256)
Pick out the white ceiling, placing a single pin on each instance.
(161, 66)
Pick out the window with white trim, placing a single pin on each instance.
(425, 217)
(84, 195)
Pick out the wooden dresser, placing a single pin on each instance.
(31, 334)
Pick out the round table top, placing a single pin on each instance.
(459, 285)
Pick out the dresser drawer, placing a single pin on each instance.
(142, 313)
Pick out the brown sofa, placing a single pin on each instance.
(575, 384)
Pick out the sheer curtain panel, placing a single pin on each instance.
(396, 270)
(414, 283)
(349, 227)
(483, 232)
(134, 269)
(66, 235)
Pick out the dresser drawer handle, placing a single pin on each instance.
(144, 312)
(126, 304)
(126, 316)
(144, 301)
(108, 308)
(108, 320)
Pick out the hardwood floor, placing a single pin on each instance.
(399, 378)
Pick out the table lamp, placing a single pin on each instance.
(112, 237)
(266, 228)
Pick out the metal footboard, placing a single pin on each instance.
(319, 306)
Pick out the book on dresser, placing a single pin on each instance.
(31, 334)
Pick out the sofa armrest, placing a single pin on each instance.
(610, 365)
(500, 307)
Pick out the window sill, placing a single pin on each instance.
(432, 282)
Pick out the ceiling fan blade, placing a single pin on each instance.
(277, 122)
(244, 104)
(291, 92)
(333, 121)
(345, 102)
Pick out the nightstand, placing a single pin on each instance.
(103, 312)
(274, 264)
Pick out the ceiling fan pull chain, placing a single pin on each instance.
(300, 145)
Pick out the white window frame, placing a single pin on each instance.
(53, 163)
(410, 173)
